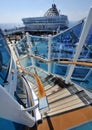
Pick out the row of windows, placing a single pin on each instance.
(44, 27)
(45, 20)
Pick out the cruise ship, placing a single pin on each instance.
(51, 22)
(32, 93)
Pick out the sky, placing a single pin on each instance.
(12, 11)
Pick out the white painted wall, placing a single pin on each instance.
(10, 109)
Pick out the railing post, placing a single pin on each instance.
(16, 51)
(49, 53)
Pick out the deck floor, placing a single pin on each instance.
(65, 121)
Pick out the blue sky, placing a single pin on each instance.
(12, 11)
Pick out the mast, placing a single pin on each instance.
(82, 39)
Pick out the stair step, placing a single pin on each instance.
(69, 108)
(67, 100)
(60, 94)
(64, 105)
(52, 90)
(22, 96)
(46, 87)
(24, 101)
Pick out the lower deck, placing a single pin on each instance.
(65, 121)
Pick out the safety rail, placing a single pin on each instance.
(43, 103)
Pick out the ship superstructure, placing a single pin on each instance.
(51, 22)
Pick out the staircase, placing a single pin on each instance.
(61, 97)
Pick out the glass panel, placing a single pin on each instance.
(64, 44)
(39, 46)
(59, 69)
(4, 59)
(87, 48)
(25, 62)
(22, 47)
